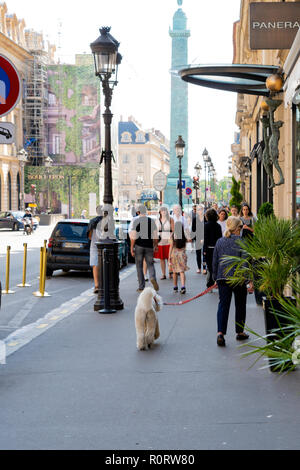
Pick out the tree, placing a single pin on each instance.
(237, 197)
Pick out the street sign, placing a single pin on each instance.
(183, 184)
(7, 133)
(160, 181)
(189, 191)
(32, 206)
(10, 86)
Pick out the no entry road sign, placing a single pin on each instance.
(10, 86)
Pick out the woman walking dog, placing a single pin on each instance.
(228, 246)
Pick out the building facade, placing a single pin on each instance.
(19, 46)
(12, 46)
(141, 155)
(249, 163)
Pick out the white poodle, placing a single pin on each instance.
(146, 322)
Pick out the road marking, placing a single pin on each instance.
(22, 314)
(27, 334)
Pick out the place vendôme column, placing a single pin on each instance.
(179, 105)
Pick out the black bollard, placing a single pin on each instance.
(107, 309)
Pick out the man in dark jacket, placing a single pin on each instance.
(212, 233)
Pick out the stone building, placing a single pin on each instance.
(16, 45)
(141, 155)
(248, 162)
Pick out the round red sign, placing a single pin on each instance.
(10, 86)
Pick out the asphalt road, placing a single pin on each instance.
(22, 308)
(75, 380)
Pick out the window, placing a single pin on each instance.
(126, 138)
(297, 163)
(126, 159)
(140, 136)
(56, 145)
(140, 159)
(52, 99)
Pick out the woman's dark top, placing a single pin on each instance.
(225, 247)
(212, 233)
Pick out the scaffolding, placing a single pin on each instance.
(36, 100)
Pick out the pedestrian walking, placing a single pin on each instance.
(178, 257)
(144, 241)
(212, 233)
(198, 236)
(248, 221)
(228, 246)
(94, 236)
(234, 211)
(83, 214)
(223, 216)
(178, 216)
(135, 214)
(165, 228)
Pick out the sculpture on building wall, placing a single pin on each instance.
(266, 159)
(274, 138)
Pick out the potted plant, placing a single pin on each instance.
(266, 210)
(237, 197)
(283, 353)
(270, 260)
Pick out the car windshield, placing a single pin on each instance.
(18, 215)
(71, 231)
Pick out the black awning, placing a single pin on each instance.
(239, 78)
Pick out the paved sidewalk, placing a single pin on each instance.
(83, 384)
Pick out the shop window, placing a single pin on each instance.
(297, 155)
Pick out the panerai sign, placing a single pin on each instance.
(274, 25)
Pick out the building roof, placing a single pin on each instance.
(132, 128)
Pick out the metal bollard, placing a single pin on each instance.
(23, 285)
(7, 291)
(107, 309)
(43, 265)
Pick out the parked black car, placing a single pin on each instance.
(69, 247)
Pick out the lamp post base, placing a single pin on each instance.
(113, 281)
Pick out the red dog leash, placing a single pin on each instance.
(194, 298)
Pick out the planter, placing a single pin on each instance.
(259, 296)
(274, 322)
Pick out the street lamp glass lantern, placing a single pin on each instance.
(105, 52)
(205, 155)
(48, 162)
(180, 147)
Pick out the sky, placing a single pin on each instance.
(144, 89)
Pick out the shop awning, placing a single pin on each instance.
(239, 78)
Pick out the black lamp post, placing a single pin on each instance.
(180, 146)
(107, 60)
(198, 170)
(207, 161)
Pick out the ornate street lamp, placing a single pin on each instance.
(207, 160)
(23, 159)
(107, 60)
(198, 169)
(180, 147)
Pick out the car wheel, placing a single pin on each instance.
(49, 272)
